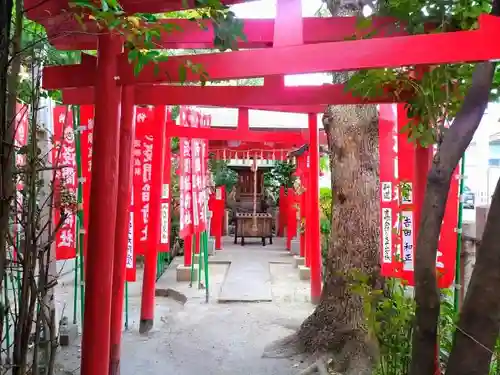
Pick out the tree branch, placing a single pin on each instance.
(453, 147)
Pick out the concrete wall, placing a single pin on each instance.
(472, 233)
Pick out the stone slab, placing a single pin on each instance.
(298, 261)
(295, 247)
(304, 273)
(68, 332)
(211, 246)
(196, 259)
(247, 281)
(184, 273)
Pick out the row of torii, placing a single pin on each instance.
(298, 46)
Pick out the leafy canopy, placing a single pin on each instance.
(142, 31)
(433, 96)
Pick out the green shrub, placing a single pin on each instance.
(282, 174)
(325, 202)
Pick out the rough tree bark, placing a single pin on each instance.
(479, 323)
(336, 329)
(455, 142)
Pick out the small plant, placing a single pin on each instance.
(325, 202)
(282, 174)
(222, 174)
(390, 315)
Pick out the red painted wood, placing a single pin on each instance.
(428, 49)
(151, 253)
(216, 204)
(127, 130)
(282, 221)
(223, 134)
(243, 120)
(288, 27)
(79, 96)
(36, 10)
(102, 223)
(313, 217)
(63, 32)
(291, 230)
(288, 31)
(164, 243)
(303, 205)
(268, 97)
(188, 250)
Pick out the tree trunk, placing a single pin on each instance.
(479, 324)
(336, 329)
(354, 244)
(6, 7)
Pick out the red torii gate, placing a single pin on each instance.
(110, 73)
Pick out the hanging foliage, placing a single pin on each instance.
(282, 174)
(222, 174)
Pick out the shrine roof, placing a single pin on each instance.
(241, 167)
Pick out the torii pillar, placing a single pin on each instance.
(102, 213)
(127, 133)
(313, 217)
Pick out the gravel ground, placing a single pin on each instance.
(209, 339)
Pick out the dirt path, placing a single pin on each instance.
(214, 338)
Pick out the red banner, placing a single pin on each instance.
(408, 208)
(64, 162)
(206, 122)
(147, 180)
(185, 171)
(389, 258)
(164, 245)
(86, 141)
(404, 234)
(20, 140)
(197, 175)
(130, 265)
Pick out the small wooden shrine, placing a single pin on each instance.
(245, 186)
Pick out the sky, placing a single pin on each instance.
(267, 9)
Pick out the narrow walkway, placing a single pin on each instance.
(211, 338)
(247, 281)
(248, 278)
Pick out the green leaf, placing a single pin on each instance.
(133, 55)
(182, 73)
(363, 23)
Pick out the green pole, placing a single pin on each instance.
(205, 260)
(192, 260)
(200, 260)
(126, 305)
(79, 261)
(75, 283)
(459, 238)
